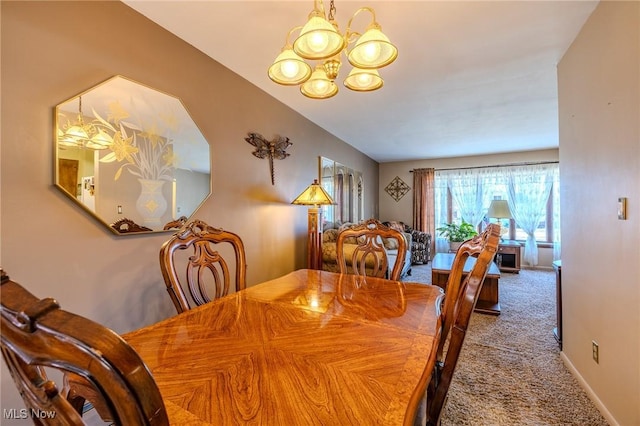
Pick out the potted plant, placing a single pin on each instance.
(457, 233)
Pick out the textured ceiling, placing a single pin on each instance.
(471, 78)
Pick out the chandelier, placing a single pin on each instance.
(320, 40)
(83, 135)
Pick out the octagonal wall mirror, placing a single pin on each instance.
(131, 156)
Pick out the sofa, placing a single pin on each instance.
(329, 253)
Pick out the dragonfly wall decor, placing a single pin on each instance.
(274, 149)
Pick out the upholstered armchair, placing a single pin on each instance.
(420, 247)
(420, 242)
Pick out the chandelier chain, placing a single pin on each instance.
(332, 10)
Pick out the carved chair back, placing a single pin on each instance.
(40, 341)
(369, 252)
(460, 299)
(175, 224)
(205, 273)
(125, 225)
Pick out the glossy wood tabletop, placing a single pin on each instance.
(309, 348)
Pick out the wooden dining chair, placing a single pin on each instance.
(40, 341)
(175, 224)
(461, 295)
(125, 226)
(367, 253)
(202, 270)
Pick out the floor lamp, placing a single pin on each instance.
(314, 197)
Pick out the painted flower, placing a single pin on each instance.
(147, 153)
(122, 149)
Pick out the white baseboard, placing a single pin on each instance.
(592, 396)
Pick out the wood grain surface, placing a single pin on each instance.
(311, 347)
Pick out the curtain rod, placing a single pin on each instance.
(496, 165)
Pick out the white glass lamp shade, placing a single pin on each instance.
(372, 50)
(318, 39)
(101, 140)
(289, 69)
(63, 141)
(81, 135)
(78, 131)
(66, 139)
(362, 80)
(319, 86)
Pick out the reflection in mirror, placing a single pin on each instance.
(345, 186)
(131, 156)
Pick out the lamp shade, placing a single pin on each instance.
(78, 131)
(362, 80)
(499, 209)
(318, 39)
(289, 69)
(319, 86)
(314, 195)
(101, 140)
(372, 50)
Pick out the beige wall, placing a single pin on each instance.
(403, 209)
(53, 247)
(599, 107)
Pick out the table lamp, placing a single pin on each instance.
(314, 196)
(499, 209)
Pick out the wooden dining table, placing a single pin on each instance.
(308, 348)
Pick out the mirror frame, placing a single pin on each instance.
(134, 131)
(349, 201)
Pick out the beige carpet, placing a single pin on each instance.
(510, 371)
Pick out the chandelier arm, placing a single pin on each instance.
(350, 37)
(287, 42)
(320, 84)
(321, 8)
(349, 32)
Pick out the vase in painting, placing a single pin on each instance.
(151, 203)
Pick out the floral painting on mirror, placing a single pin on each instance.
(126, 151)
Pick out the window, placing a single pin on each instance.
(466, 194)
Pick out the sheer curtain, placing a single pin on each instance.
(470, 194)
(528, 191)
(525, 187)
(423, 202)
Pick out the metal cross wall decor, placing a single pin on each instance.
(397, 188)
(269, 149)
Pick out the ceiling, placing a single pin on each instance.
(471, 78)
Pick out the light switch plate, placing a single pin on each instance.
(622, 208)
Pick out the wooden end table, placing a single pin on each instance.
(488, 302)
(508, 256)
